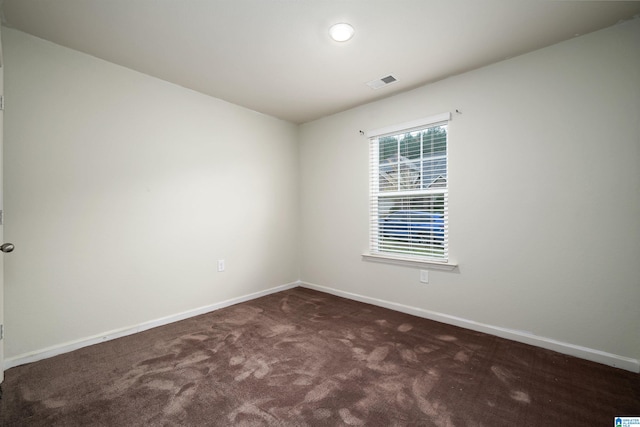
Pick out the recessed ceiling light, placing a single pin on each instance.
(341, 32)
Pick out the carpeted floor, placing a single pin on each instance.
(305, 358)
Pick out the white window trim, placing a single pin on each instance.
(407, 260)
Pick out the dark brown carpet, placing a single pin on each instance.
(304, 358)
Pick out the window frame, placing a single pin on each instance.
(405, 258)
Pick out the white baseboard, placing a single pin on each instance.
(593, 355)
(45, 353)
(605, 358)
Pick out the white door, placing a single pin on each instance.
(1, 222)
(4, 247)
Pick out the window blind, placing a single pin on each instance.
(409, 190)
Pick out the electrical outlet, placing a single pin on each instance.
(424, 276)
(220, 265)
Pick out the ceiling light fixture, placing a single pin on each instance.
(341, 32)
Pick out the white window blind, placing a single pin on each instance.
(409, 190)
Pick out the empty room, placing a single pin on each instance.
(320, 213)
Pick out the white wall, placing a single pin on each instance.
(544, 196)
(123, 190)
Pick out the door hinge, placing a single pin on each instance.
(1, 332)
(1, 102)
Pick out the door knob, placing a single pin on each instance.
(7, 247)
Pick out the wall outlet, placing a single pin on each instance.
(424, 276)
(220, 265)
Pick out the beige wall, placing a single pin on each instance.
(544, 196)
(122, 191)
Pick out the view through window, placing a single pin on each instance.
(409, 212)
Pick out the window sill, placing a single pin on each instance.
(410, 262)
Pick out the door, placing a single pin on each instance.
(1, 220)
(4, 247)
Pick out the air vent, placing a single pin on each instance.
(377, 84)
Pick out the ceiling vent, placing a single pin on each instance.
(377, 84)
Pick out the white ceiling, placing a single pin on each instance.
(275, 56)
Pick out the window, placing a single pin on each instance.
(409, 191)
